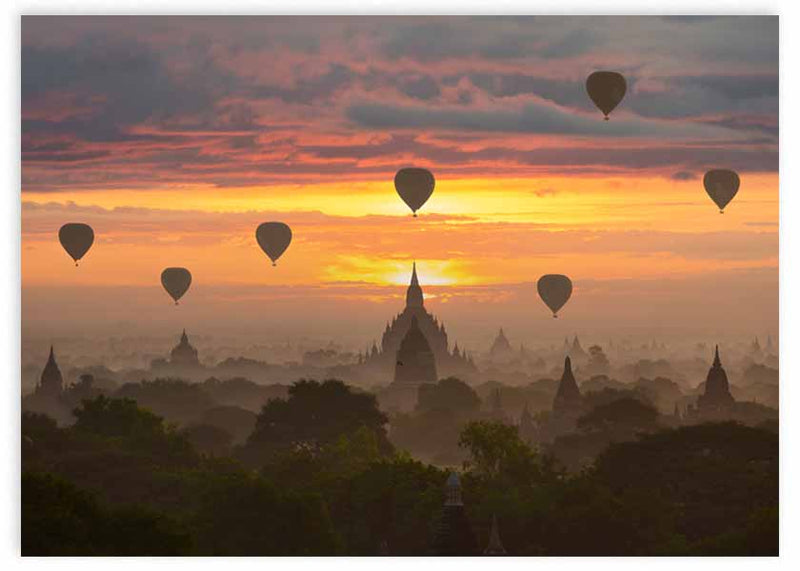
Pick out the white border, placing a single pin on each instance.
(789, 272)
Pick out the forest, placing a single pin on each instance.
(316, 472)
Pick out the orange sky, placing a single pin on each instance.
(174, 138)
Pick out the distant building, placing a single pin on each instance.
(501, 348)
(51, 383)
(567, 405)
(453, 534)
(415, 363)
(716, 397)
(568, 397)
(48, 397)
(184, 354)
(457, 363)
(415, 366)
(576, 351)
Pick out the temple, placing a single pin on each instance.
(568, 396)
(501, 349)
(453, 534)
(495, 546)
(568, 405)
(716, 397)
(384, 358)
(184, 354)
(49, 395)
(416, 363)
(51, 383)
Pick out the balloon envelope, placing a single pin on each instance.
(76, 239)
(415, 186)
(606, 89)
(721, 185)
(555, 290)
(274, 238)
(176, 281)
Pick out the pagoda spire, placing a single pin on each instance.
(414, 293)
(717, 363)
(495, 546)
(568, 394)
(453, 489)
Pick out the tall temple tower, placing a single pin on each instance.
(456, 363)
(414, 298)
(717, 395)
(568, 396)
(567, 405)
(51, 383)
(416, 363)
(453, 534)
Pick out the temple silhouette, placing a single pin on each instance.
(457, 362)
(716, 402)
(453, 534)
(183, 360)
(48, 396)
(51, 383)
(414, 351)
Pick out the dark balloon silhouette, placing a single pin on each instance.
(274, 238)
(415, 186)
(555, 290)
(176, 281)
(76, 238)
(721, 185)
(606, 89)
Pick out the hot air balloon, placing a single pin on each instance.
(274, 238)
(415, 186)
(176, 281)
(606, 89)
(76, 238)
(721, 185)
(555, 290)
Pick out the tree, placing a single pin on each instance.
(496, 449)
(243, 514)
(623, 417)
(60, 519)
(718, 474)
(123, 420)
(315, 415)
(174, 399)
(208, 439)
(450, 394)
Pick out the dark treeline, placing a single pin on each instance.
(315, 472)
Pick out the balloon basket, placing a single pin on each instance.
(274, 264)
(605, 118)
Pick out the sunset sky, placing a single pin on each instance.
(174, 137)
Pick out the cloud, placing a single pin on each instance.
(538, 118)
